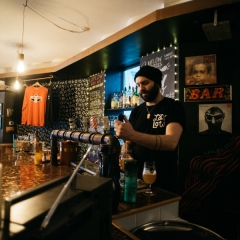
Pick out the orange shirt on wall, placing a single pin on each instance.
(34, 106)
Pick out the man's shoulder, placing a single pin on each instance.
(139, 107)
(171, 102)
(168, 99)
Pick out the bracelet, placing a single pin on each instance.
(158, 146)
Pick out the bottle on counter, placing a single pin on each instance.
(14, 141)
(35, 137)
(130, 181)
(35, 140)
(29, 137)
(38, 153)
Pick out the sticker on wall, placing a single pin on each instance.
(207, 93)
(201, 70)
(9, 112)
(9, 129)
(215, 119)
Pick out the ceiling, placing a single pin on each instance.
(46, 43)
(181, 24)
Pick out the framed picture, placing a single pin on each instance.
(201, 70)
(215, 119)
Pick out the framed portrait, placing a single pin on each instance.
(215, 119)
(201, 70)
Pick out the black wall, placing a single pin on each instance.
(193, 144)
(218, 208)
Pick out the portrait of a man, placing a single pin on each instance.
(215, 119)
(200, 70)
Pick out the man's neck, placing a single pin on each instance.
(156, 100)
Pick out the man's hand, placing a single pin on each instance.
(124, 130)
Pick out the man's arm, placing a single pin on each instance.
(167, 142)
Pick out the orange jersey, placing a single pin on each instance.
(34, 106)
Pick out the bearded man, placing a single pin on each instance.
(154, 129)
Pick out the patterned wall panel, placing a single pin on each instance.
(70, 100)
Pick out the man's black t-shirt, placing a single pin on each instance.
(166, 111)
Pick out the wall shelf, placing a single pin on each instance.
(120, 109)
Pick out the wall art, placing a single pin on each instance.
(201, 70)
(215, 119)
(208, 93)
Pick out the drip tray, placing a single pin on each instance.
(174, 230)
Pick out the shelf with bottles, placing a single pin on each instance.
(125, 100)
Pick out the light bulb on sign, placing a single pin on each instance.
(21, 63)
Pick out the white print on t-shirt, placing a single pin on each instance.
(159, 120)
(35, 98)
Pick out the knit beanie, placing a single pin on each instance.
(151, 73)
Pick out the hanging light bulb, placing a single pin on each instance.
(21, 62)
(17, 84)
(20, 67)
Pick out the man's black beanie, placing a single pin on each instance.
(151, 73)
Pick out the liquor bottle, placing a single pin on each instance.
(135, 98)
(125, 98)
(114, 101)
(120, 99)
(129, 97)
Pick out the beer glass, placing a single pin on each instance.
(149, 176)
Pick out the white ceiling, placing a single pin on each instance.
(46, 45)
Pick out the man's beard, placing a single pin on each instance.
(152, 93)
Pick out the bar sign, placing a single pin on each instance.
(201, 93)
